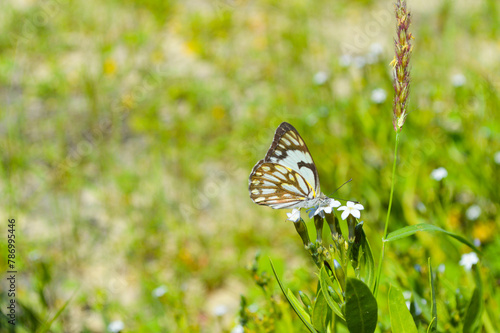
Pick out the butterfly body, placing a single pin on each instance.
(287, 177)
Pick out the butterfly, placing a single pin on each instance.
(287, 177)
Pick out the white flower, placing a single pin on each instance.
(359, 61)
(376, 48)
(441, 268)
(468, 260)
(294, 216)
(496, 157)
(238, 329)
(321, 210)
(345, 60)
(220, 310)
(378, 96)
(439, 173)
(473, 212)
(116, 326)
(320, 78)
(458, 80)
(351, 209)
(160, 291)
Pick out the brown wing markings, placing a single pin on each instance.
(277, 193)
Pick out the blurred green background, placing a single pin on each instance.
(129, 128)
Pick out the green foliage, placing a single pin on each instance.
(360, 308)
(401, 319)
(412, 229)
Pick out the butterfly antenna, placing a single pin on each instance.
(350, 180)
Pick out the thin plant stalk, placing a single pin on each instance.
(393, 180)
(403, 50)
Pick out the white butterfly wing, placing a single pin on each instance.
(287, 177)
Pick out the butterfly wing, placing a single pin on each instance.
(277, 186)
(287, 174)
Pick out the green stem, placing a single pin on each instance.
(393, 180)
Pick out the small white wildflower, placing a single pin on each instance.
(359, 61)
(376, 48)
(496, 157)
(351, 209)
(321, 210)
(439, 173)
(345, 60)
(294, 216)
(468, 260)
(473, 212)
(458, 80)
(407, 294)
(116, 326)
(320, 78)
(378, 96)
(441, 268)
(333, 204)
(160, 291)
(238, 329)
(220, 310)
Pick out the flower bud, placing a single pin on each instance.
(351, 224)
(318, 223)
(301, 228)
(333, 223)
(305, 299)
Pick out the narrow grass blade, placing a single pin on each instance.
(296, 308)
(46, 326)
(433, 324)
(360, 307)
(410, 230)
(472, 321)
(401, 319)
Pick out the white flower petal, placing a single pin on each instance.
(342, 208)
(356, 213)
(294, 216)
(328, 210)
(334, 203)
(345, 214)
(350, 204)
(359, 206)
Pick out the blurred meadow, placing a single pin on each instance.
(129, 128)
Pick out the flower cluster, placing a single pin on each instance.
(350, 212)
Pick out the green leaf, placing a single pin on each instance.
(472, 321)
(366, 257)
(293, 300)
(360, 307)
(433, 325)
(327, 283)
(474, 311)
(320, 313)
(401, 319)
(410, 230)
